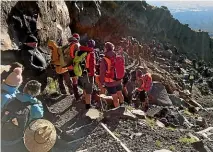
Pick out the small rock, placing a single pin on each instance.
(199, 146)
(135, 134)
(142, 123)
(139, 113)
(192, 109)
(194, 103)
(206, 132)
(138, 134)
(164, 121)
(187, 92)
(162, 150)
(125, 133)
(201, 122)
(128, 115)
(160, 124)
(176, 101)
(153, 111)
(113, 113)
(193, 136)
(93, 113)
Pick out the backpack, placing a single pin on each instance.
(115, 68)
(147, 82)
(13, 123)
(55, 59)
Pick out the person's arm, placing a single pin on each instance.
(37, 111)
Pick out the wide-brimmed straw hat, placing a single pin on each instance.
(40, 136)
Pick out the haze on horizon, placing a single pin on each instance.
(198, 14)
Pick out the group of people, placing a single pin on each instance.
(104, 69)
(77, 65)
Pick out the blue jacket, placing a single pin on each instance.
(7, 94)
(36, 110)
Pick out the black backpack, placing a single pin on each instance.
(13, 123)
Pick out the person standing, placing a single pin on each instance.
(62, 73)
(87, 79)
(113, 87)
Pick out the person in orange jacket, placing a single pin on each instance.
(144, 83)
(87, 78)
(74, 46)
(62, 73)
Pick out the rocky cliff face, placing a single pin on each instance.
(52, 21)
(106, 21)
(109, 20)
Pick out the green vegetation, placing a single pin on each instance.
(129, 108)
(170, 128)
(117, 134)
(187, 140)
(158, 143)
(187, 112)
(172, 148)
(150, 122)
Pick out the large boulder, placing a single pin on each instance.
(51, 20)
(159, 95)
(176, 101)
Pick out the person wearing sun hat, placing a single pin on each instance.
(9, 87)
(40, 136)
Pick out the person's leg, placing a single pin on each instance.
(75, 87)
(120, 94)
(144, 100)
(112, 91)
(61, 84)
(97, 81)
(68, 82)
(88, 90)
(191, 85)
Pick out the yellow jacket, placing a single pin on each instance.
(60, 70)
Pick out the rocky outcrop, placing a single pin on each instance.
(110, 20)
(103, 20)
(52, 21)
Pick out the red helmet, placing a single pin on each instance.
(77, 36)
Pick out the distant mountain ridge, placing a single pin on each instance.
(198, 15)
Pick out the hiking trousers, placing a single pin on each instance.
(65, 77)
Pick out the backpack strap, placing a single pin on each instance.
(108, 61)
(72, 49)
(87, 60)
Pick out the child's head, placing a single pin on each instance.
(14, 79)
(32, 88)
(16, 65)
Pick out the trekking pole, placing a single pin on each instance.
(118, 140)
